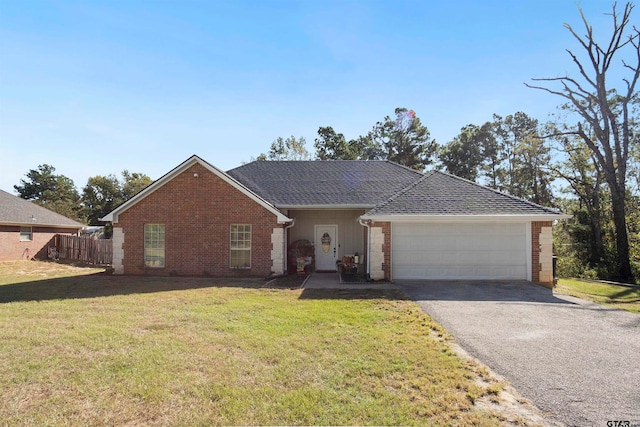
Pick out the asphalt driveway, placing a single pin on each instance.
(576, 360)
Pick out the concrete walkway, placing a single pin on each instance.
(332, 281)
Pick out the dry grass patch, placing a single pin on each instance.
(104, 350)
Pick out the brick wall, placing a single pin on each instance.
(541, 253)
(197, 212)
(11, 248)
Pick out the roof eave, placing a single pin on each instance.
(466, 218)
(113, 215)
(37, 224)
(327, 206)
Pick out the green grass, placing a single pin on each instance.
(82, 348)
(624, 298)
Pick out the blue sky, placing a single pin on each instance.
(95, 87)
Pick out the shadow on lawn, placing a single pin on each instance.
(103, 285)
(629, 295)
(354, 294)
(505, 291)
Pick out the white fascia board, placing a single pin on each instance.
(113, 216)
(465, 218)
(326, 207)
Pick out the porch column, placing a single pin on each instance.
(542, 253)
(546, 256)
(376, 255)
(118, 250)
(277, 251)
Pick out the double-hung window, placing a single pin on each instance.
(26, 234)
(154, 245)
(240, 246)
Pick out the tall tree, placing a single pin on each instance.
(54, 192)
(287, 149)
(507, 154)
(490, 149)
(403, 139)
(100, 196)
(585, 178)
(133, 183)
(634, 167)
(334, 146)
(607, 109)
(463, 155)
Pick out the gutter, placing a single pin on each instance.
(465, 218)
(285, 271)
(366, 224)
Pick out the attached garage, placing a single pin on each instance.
(463, 250)
(447, 228)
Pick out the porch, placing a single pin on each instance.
(325, 236)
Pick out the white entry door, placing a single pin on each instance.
(326, 247)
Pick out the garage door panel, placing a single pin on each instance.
(459, 251)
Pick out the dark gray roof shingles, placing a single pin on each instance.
(14, 210)
(324, 182)
(438, 193)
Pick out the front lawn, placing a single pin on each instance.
(94, 349)
(622, 297)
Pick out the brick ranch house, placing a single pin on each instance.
(26, 228)
(199, 220)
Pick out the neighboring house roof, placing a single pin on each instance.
(17, 211)
(113, 215)
(325, 183)
(439, 194)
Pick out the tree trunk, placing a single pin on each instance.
(622, 239)
(597, 248)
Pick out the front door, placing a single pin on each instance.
(326, 247)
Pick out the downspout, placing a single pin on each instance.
(366, 224)
(285, 271)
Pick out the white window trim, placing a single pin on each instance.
(232, 249)
(164, 255)
(23, 236)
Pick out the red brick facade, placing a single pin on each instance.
(12, 248)
(197, 209)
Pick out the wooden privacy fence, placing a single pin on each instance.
(82, 248)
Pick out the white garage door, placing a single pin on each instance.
(459, 251)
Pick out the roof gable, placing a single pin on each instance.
(325, 183)
(17, 211)
(113, 215)
(441, 194)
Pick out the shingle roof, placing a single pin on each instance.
(325, 182)
(438, 193)
(14, 210)
(181, 168)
